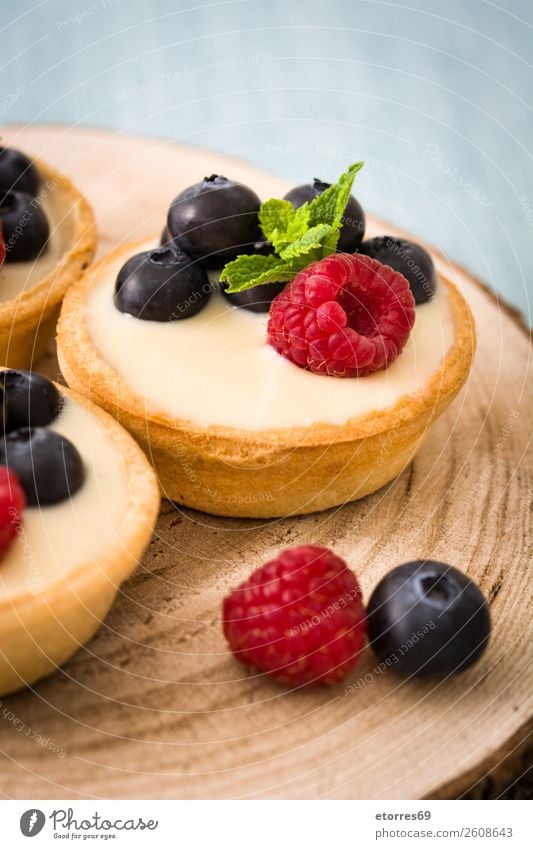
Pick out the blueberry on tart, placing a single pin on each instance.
(47, 239)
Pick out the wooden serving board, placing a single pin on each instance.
(156, 707)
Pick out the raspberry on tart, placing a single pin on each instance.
(345, 316)
(299, 618)
(12, 503)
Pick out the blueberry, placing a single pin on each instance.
(215, 217)
(217, 262)
(409, 259)
(31, 400)
(24, 225)
(48, 465)
(427, 619)
(17, 172)
(257, 299)
(3, 409)
(161, 285)
(262, 247)
(353, 228)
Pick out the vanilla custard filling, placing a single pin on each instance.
(216, 368)
(55, 539)
(19, 277)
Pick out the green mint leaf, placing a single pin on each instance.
(330, 205)
(275, 216)
(311, 240)
(299, 224)
(251, 270)
(281, 223)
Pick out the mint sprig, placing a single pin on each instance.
(298, 236)
(311, 240)
(253, 269)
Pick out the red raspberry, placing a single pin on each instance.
(12, 503)
(346, 316)
(299, 618)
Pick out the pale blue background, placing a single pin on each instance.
(436, 96)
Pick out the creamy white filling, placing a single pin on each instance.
(18, 277)
(57, 538)
(217, 368)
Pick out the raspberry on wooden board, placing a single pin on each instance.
(299, 618)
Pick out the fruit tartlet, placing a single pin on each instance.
(265, 372)
(47, 239)
(78, 504)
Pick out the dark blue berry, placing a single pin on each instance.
(24, 226)
(31, 400)
(3, 410)
(48, 465)
(161, 285)
(257, 299)
(427, 619)
(353, 228)
(17, 172)
(409, 259)
(166, 241)
(216, 217)
(263, 248)
(217, 262)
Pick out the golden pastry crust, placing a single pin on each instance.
(268, 473)
(40, 630)
(27, 322)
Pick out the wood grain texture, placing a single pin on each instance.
(156, 707)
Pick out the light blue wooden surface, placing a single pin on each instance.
(435, 96)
